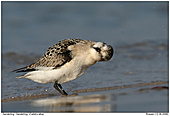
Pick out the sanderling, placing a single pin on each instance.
(66, 61)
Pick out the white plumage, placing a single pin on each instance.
(66, 61)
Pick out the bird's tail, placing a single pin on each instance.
(25, 69)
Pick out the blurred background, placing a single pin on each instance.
(138, 31)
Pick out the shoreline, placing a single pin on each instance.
(34, 96)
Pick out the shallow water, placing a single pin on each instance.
(138, 31)
(151, 100)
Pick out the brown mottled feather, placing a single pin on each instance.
(56, 56)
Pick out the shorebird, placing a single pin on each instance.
(66, 61)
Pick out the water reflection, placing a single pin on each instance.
(88, 103)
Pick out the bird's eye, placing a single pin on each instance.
(97, 49)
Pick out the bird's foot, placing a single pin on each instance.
(73, 94)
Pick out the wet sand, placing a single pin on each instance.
(31, 97)
(147, 97)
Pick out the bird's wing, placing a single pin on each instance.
(55, 57)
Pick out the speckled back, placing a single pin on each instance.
(58, 54)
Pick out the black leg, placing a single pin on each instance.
(59, 88)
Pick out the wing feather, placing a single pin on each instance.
(56, 56)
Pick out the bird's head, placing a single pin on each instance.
(101, 51)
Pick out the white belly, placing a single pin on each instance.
(67, 72)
